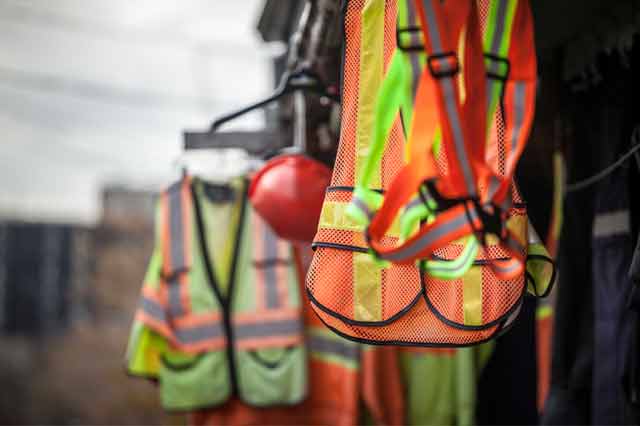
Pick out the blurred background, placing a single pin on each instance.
(94, 96)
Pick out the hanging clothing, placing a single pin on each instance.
(614, 322)
(348, 382)
(441, 383)
(210, 330)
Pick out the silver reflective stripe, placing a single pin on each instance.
(450, 101)
(511, 266)
(415, 40)
(494, 184)
(514, 244)
(329, 346)
(499, 32)
(153, 309)
(176, 227)
(432, 27)
(519, 101)
(199, 333)
(269, 268)
(362, 206)
(610, 224)
(175, 301)
(436, 233)
(458, 138)
(414, 203)
(286, 327)
(494, 66)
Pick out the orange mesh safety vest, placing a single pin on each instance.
(399, 303)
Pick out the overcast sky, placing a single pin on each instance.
(95, 91)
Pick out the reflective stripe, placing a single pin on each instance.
(362, 206)
(176, 227)
(446, 83)
(452, 266)
(371, 76)
(610, 224)
(519, 106)
(439, 231)
(334, 216)
(268, 329)
(200, 333)
(416, 66)
(153, 309)
(494, 184)
(367, 288)
(270, 253)
(499, 30)
(175, 301)
(334, 346)
(472, 296)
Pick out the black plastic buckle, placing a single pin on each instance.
(492, 222)
(502, 63)
(443, 65)
(410, 48)
(173, 275)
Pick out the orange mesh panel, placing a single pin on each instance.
(330, 283)
(419, 326)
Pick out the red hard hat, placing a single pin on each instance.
(288, 192)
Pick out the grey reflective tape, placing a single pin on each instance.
(499, 31)
(176, 227)
(286, 327)
(330, 346)
(175, 301)
(414, 203)
(514, 244)
(519, 104)
(362, 207)
(415, 40)
(153, 309)
(199, 333)
(270, 276)
(450, 102)
(432, 27)
(494, 184)
(427, 239)
(458, 137)
(505, 269)
(610, 224)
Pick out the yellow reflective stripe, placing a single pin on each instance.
(518, 226)
(544, 311)
(371, 75)
(472, 296)
(334, 216)
(367, 287)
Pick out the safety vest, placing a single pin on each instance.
(219, 336)
(346, 380)
(410, 303)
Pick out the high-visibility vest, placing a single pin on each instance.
(370, 301)
(207, 337)
(345, 380)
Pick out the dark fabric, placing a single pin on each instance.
(612, 250)
(507, 387)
